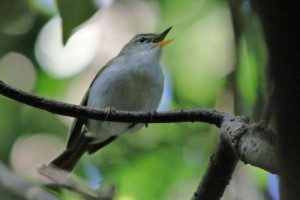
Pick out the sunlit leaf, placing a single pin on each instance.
(74, 13)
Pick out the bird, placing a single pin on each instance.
(132, 81)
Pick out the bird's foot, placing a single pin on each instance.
(151, 113)
(109, 111)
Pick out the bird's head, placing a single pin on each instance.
(147, 43)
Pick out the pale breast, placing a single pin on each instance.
(130, 89)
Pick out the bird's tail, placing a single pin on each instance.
(68, 159)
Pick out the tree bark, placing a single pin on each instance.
(280, 20)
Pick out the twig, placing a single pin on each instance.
(66, 109)
(21, 187)
(63, 179)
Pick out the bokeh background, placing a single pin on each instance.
(216, 61)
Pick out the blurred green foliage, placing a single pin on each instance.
(74, 13)
(164, 161)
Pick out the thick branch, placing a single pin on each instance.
(218, 174)
(280, 22)
(238, 140)
(253, 144)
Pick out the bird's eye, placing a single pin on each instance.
(142, 40)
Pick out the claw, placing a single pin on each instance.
(151, 113)
(108, 111)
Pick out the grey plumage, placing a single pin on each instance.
(132, 81)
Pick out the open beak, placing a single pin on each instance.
(158, 40)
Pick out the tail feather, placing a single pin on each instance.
(69, 158)
(95, 147)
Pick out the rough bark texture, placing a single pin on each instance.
(280, 20)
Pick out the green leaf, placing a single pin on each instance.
(74, 13)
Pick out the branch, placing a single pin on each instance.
(244, 146)
(21, 187)
(63, 179)
(238, 139)
(66, 109)
(218, 173)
